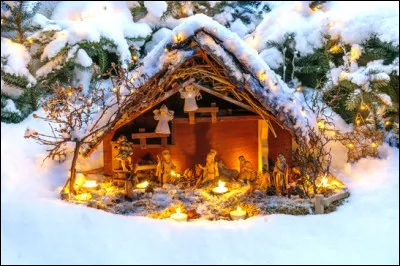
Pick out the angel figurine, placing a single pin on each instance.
(163, 115)
(190, 94)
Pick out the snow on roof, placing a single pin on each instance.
(270, 87)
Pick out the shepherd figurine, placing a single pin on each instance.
(125, 152)
(163, 115)
(164, 168)
(280, 174)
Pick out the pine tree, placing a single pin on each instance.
(16, 26)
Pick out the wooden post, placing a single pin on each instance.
(191, 118)
(164, 142)
(319, 204)
(213, 117)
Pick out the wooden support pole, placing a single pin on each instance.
(164, 142)
(143, 143)
(319, 204)
(191, 118)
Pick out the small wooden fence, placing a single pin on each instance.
(320, 202)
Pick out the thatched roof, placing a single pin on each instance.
(234, 64)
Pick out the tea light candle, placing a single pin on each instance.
(90, 185)
(178, 216)
(221, 189)
(143, 184)
(238, 214)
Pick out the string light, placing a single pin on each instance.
(134, 58)
(30, 40)
(262, 75)
(166, 49)
(363, 107)
(299, 88)
(350, 146)
(178, 38)
(335, 49)
(373, 145)
(215, 30)
(388, 123)
(115, 89)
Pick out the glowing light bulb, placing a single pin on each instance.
(373, 145)
(299, 88)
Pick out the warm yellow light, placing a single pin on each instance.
(143, 184)
(299, 88)
(83, 197)
(239, 209)
(324, 181)
(173, 173)
(178, 210)
(135, 58)
(90, 184)
(221, 184)
(388, 123)
(262, 75)
(321, 124)
(358, 121)
(350, 145)
(178, 38)
(2, 21)
(132, 90)
(335, 49)
(30, 40)
(166, 50)
(183, 9)
(373, 145)
(215, 30)
(363, 107)
(115, 89)
(69, 93)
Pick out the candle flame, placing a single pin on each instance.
(143, 184)
(221, 184)
(173, 173)
(178, 211)
(90, 183)
(239, 209)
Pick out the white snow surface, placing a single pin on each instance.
(38, 228)
(351, 21)
(156, 8)
(17, 59)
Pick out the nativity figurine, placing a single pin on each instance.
(163, 115)
(165, 167)
(210, 170)
(125, 152)
(190, 94)
(280, 174)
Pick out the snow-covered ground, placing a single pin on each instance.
(38, 228)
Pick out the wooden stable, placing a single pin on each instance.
(194, 134)
(237, 114)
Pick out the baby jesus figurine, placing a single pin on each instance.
(164, 168)
(163, 115)
(190, 94)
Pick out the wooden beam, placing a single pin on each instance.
(272, 128)
(223, 97)
(192, 118)
(148, 135)
(182, 120)
(205, 110)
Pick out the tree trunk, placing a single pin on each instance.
(73, 169)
